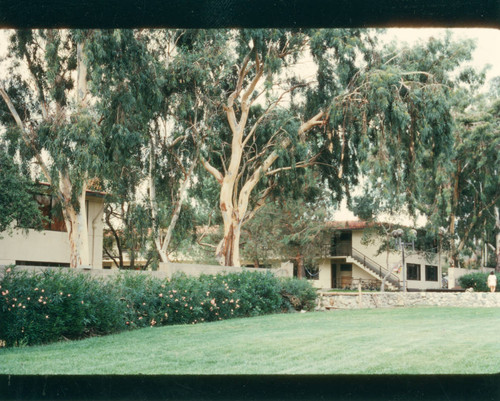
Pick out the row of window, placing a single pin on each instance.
(413, 272)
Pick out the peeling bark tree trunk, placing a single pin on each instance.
(75, 217)
(76, 225)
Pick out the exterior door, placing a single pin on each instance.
(334, 275)
(345, 275)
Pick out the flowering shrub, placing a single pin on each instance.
(47, 306)
(51, 305)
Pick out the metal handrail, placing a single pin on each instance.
(374, 266)
(362, 258)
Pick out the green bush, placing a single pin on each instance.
(51, 305)
(477, 281)
(297, 294)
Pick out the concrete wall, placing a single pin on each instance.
(104, 273)
(285, 270)
(53, 246)
(168, 269)
(39, 246)
(329, 301)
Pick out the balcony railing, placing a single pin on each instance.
(347, 250)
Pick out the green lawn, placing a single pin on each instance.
(380, 341)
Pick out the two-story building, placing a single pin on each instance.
(349, 260)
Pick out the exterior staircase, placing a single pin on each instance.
(369, 265)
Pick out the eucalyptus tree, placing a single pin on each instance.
(443, 166)
(383, 112)
(18, 208)
(260, 146)
(475, 182)
(148, 83)
(52, 122)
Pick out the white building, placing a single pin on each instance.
(50, 247)
(348, 261)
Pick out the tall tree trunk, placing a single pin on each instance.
(454, 205)
(300, 266)
(497, 238)
(76, 224)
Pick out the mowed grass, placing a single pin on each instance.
(380, 341)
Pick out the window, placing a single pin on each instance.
(412, 271)
(34, 263)
(431, 273)
(52, 213)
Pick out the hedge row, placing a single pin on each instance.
(477, 281)
(47, 306)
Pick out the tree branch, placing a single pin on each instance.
(212, 170)
(25, 135)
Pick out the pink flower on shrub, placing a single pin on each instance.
(69, 295)
(9, 270)
(160, 295)
(46, 316)
(213, 302)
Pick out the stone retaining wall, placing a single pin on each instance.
(328, 301)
